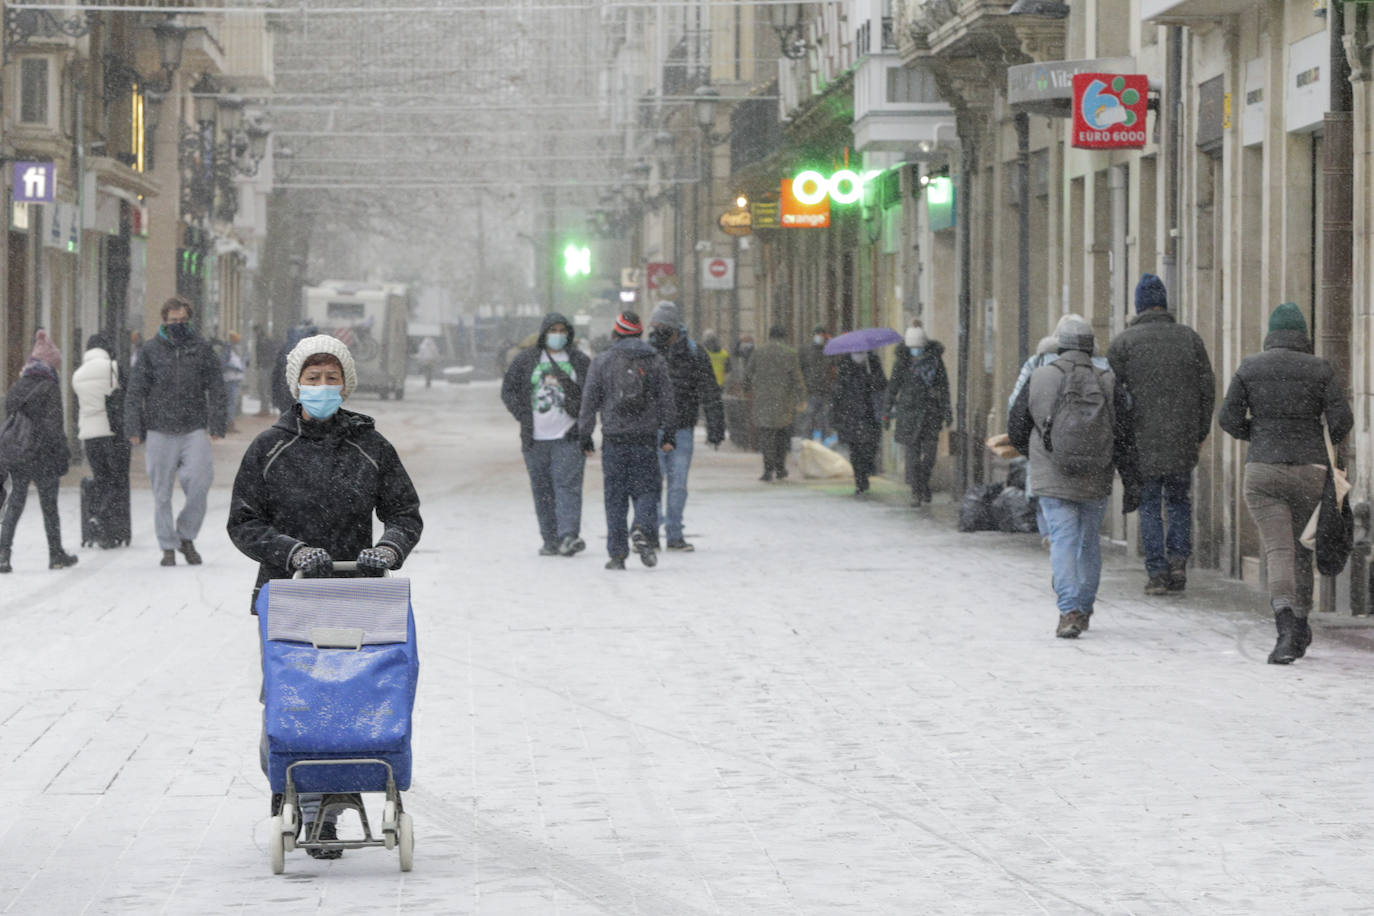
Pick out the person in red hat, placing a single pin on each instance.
(630, 387)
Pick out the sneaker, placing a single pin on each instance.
(681, 546)
(550, 549)
(328, 832)
(1178, 575)
(915, 502)
(570, 545)
(640, 544)
(1070, 625)
(169, 558)
(1158, 585)
(615, 563)
(767, 477)
(1087, 617)
(189, 551)
(782, 474)
(61, 560)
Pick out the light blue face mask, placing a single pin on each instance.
(321, 401)
(916, 351)
(556, 341)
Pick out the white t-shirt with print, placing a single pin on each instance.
(551, 421)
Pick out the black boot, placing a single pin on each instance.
(5, 560)
(1286, 649)
(1304, 636)
(60, 559)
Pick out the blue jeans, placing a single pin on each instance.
(1075, 550)
(673, 466)
(555, 468)
(1172, 492)
(631, 477)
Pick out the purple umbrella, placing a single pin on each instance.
(861, 340)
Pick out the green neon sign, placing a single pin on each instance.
(845, 186)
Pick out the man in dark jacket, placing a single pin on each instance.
(918, 396)
(1163, 367)
(818, 374)
(542, 388)
(694, 391)
(176, 394)
(630, 387)
(41, 456)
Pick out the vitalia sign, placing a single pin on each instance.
(1109, 110)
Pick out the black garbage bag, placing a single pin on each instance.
(976, 512)
(1013, 512)
(1016, 473)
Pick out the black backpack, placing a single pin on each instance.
(628, 385)
(18, 442)
(1078, 432)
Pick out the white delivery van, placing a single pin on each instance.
(372, 319)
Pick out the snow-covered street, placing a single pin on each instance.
(831, 706)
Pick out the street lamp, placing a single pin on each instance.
(203, 99)
(786, 22)
(171, 42)
(704, 103)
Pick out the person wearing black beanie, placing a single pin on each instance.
(1164, 365)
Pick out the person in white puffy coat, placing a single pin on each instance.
(107, 454)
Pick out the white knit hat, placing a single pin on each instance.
(915, 337)
(320, 343)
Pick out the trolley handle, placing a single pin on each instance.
(340, 566)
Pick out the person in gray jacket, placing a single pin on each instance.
(1071, 466)
(1277, 402)
(176, 395)
(1164, 366)
(630, 387)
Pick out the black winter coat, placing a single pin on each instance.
(1278, 398)
(517, 389)
(175, 388)
(37, 395)
(1168, 380)
(317, 484)
(694, 387)
(856, 404)
(918, 394)
(818, 370)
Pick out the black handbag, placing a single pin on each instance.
(572, 391)
(1330, 533)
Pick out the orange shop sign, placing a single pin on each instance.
(797, 215)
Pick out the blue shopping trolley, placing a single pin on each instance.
(339, 669)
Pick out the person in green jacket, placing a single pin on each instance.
(775, 378)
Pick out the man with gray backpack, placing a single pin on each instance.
(1067, 420)
(630, 387)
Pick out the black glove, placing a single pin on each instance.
(312, 561)
(377, 558)
(588, 446)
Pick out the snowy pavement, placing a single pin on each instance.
(833, 706)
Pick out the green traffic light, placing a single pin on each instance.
(577, 261)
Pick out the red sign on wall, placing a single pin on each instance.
(1109, 110)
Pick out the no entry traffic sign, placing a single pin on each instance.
(717, 273)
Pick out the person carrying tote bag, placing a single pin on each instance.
(1330, 532)
(1278, 401)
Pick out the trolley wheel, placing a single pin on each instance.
(405, 840)
(389, 825)
(289, 825)
(276, 845)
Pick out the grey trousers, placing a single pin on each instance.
(185, 458)
(555, 467)
(1282, 497)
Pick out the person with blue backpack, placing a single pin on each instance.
(1070, 420)
(630, 387)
